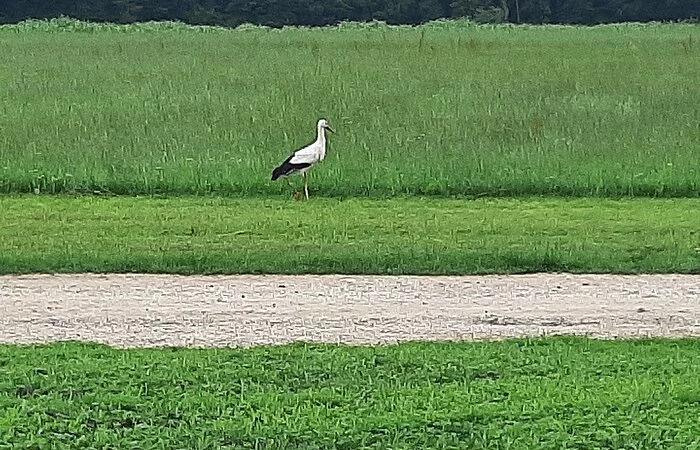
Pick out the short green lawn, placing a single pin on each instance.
(406, 236)
(523, 394)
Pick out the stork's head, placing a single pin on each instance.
(324, 125)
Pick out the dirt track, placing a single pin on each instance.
(147, 310)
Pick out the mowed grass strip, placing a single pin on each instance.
(443, 109)
(521, 394)
(399, 236)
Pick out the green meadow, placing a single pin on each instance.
(356, 236)
(446, 109)
(557, 393)
(179, 127)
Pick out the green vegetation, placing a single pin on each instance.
(522, 394)
(408, 236)
(320, 12)
(443, 109)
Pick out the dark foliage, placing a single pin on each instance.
(278, 13)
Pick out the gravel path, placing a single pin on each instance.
(204, 311)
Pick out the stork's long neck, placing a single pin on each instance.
(321, 139)
(321, 136)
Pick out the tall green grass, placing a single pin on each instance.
(442, 109)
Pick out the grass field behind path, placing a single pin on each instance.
(398, 236)
(522, 394)
(443, 109)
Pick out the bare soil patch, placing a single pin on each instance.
(208, 311)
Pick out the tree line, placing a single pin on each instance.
(277, 13)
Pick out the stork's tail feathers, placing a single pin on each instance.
(288, 168)
(283, 169)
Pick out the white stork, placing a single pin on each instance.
(304, 159)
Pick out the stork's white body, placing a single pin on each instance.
(312, 153)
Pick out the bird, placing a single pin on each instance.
(305, 158)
